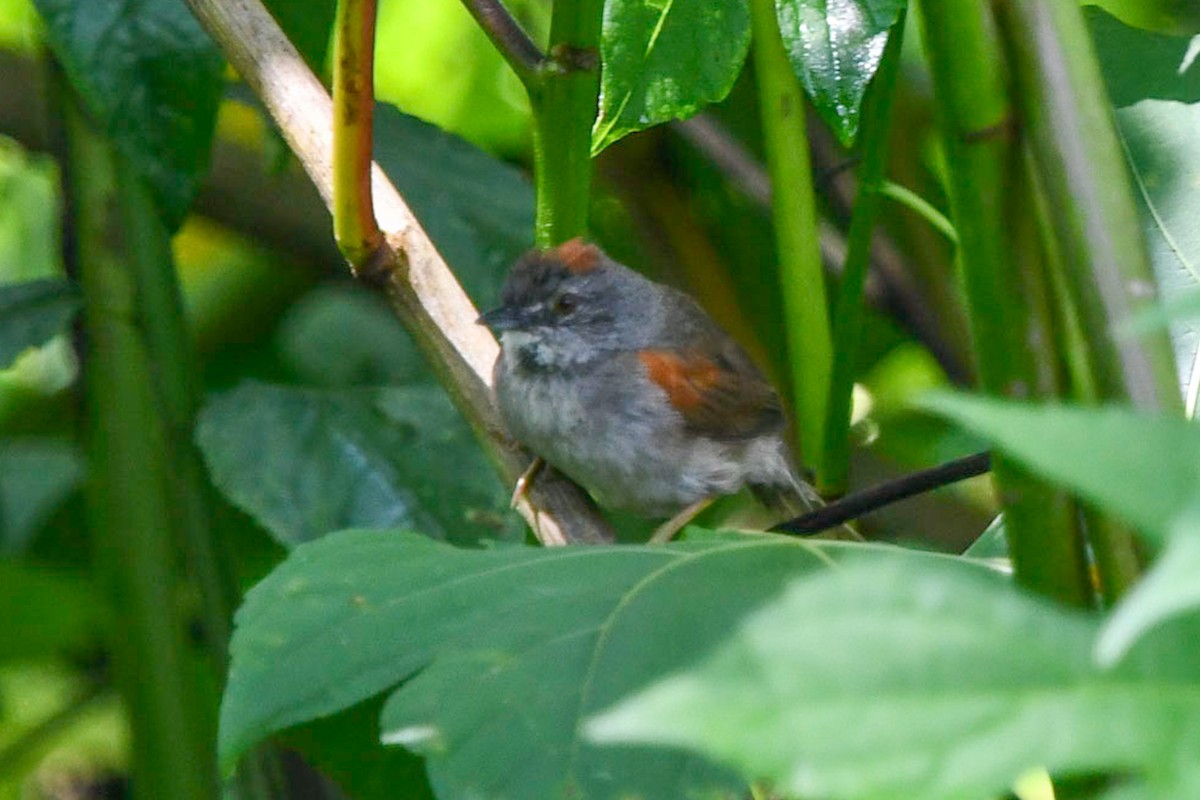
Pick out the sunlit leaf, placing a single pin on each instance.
(1171, 588)
(665, 60)
(504, 651)
(925, 680)
(151, 77)
(835, 47)
(1091, 450)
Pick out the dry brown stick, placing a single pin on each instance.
(422, 289)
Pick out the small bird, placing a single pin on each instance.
(630, 389)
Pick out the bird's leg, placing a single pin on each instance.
(666, 532)
(525, 481)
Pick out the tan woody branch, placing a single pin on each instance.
(408, 268)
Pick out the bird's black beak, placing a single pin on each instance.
(504, 318)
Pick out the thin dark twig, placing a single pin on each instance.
(856, 505)
(509, 37)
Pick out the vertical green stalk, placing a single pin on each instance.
(564, 110)
(801, 274)
(128, 508)
(1106, 271)
(1005, 292)
(848, 315)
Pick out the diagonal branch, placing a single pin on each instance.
(422, 289)
(510, 39)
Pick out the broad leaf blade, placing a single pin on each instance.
(509, 649)
(477, 210)
(36, 475)
(305, 462)
(1169, 590)
(1154, 82)
(835, 47)
(151, 77)
(1089, 450)
(32, 313)
(925, 680)
(666, 60)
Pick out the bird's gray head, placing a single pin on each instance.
(561, 308)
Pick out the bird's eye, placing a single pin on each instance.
(565, 304)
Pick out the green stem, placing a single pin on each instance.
(848, 315)
(1105, 267)
(802, 279)
(921, 207)
(129, 511)
(1004, 289)
(564, 110)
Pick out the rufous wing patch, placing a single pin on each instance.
(686, 380)
(577, 255)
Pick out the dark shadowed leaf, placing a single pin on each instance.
(1154, 82)
(151, 77)
(308, 24)
(477, 210)
(835, 47)
(666, 60)
(504, 651)
(922, 680)
(32, 313)
(36, 475)
(304, 462)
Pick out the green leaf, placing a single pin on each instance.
(504, 651)
(35, 477)
(666, 59)
(151, 77)
(345, 747)
(32, 313)
(1169, 590)
(1154, 82)
(1146, 469)
(922, 680)
(305, 462)
(835, 47)
(991, 544)
(308, 25)
(477, 210)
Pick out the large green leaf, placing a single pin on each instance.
(477, 210)
(1154, 82)
(922, 680)
(35, 477)
(1146, 469)
(835, 47)
(504, 651)
(151, 77)
(1170, 589)
(32, 313)
(305, 462)
(665, 60)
